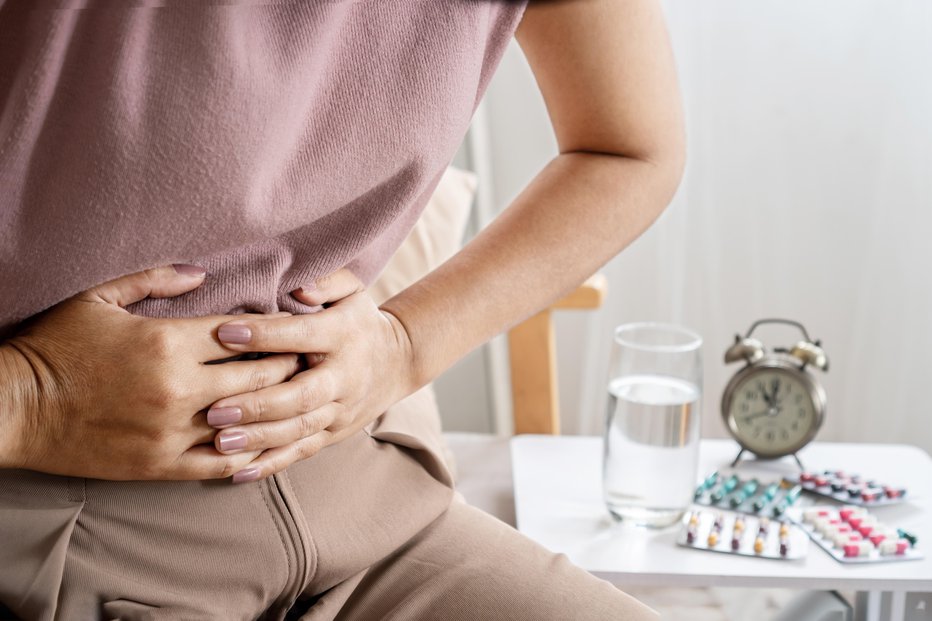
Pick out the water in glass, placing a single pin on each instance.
(651, 448)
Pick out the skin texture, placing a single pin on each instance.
(607, 76)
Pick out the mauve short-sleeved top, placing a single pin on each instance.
(270, 142)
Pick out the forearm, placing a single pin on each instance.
(16, 400)
(578, 213)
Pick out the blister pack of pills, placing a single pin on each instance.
(731, 532)
(851, 489)
(851, 534)
(751, 496)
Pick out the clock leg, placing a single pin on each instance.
(737, 458)
(798, 463)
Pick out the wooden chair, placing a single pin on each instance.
(533, 361)
(483, 461)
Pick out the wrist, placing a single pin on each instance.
(18, 403)
(411, 377)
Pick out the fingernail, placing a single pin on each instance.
(246, 475)
(232, 441)
(235, 334)
(224, 416)
(307, 288)
(186, 269)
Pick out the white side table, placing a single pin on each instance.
(558, 501)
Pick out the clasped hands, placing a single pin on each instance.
(355, 355)
(95, 391)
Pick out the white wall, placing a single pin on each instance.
(808, 194)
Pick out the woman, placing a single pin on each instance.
(276, 153)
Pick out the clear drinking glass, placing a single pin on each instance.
(652, 424)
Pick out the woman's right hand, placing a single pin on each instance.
(102, 393)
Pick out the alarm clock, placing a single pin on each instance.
(774, 405)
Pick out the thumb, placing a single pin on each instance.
(159, 282)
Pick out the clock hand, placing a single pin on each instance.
(750, 417)
(763, 392)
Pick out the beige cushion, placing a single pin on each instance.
(436, 236)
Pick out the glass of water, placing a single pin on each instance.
(652, 424)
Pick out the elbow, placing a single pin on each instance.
(668, 160)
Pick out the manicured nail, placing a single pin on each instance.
(308, 288)
(217, 417)
(246, 475)
(235, 334)
(232, 441)
(189, 270)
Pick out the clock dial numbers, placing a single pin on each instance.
(772, 411)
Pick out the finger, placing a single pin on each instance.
(318, 332)
(305, 392)
(330, 288)
(198, 431)
(277, 459)
(274, 434)
(246, 376)
(198, 333)
(203, 462)
(159, 282)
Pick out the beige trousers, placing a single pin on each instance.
(367, 529)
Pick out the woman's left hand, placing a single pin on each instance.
(360, 363)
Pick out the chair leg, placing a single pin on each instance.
(532, 349)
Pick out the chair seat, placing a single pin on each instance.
(483, 472)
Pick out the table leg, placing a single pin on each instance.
(867, 606)
(880, 605)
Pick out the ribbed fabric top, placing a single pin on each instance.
(270, 142)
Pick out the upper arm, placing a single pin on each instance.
(606, 71)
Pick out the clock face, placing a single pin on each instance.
(772, 412)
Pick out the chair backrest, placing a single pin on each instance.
(533, 361)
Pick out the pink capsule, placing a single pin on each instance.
(865, 530)
(846, 513)
(901, 546)
(805, 477)
(870, 495)
(852, 549)
(876, 538)
(821, 481)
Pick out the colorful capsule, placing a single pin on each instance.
(758, 545)
(707, 484)
(766, 496)
(746, 492)
(911, 538)
(725, 488)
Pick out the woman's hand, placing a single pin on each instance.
(112, 395)
(360, 364)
